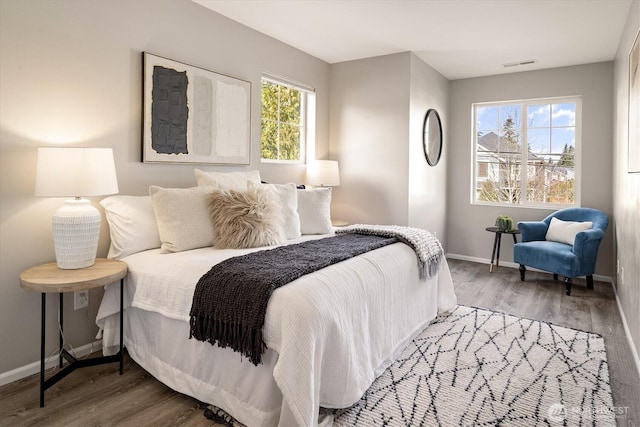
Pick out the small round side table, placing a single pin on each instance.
(495, 254)
(48, 278)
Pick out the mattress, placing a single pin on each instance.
(329, 334)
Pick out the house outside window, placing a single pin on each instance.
(526, 153)
(287, 121)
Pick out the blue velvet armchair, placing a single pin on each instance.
(558, 258)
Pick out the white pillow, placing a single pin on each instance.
(314, 208)
(132, 225)
(287, 196)
(183, 217)
(565, 231)
(227, 180)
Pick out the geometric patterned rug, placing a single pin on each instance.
(478, 367)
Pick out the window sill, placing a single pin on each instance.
(548, 206)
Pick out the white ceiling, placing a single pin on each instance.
(459, 38)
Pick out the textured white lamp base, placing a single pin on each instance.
(76, 229)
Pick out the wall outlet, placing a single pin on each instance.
(80, 299)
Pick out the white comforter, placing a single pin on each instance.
(334, 330)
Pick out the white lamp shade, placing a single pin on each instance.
(75, 172)
(323, 173)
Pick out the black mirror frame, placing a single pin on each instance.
(431, 162)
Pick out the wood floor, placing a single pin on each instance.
(98, 396)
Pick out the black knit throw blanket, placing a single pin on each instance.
(230, 301)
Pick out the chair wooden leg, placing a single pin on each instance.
(555, 276)
(522, 271)
(567, 280)
(590, 281)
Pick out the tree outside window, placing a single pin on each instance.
(530, 161)
(282, 122)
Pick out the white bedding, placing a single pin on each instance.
(329, 334)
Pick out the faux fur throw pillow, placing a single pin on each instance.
(245, 219)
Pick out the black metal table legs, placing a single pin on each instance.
(495, 253)
(64, 354)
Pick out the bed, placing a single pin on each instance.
(329, 334)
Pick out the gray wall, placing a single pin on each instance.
(369, 131)
(427, 185)
(626, 189)
(71, 73)
(377, 109)
(466, 233)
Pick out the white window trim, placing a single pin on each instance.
(308, 106)
(524, 143)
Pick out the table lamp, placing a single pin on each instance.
(75, 172)
(323, 173)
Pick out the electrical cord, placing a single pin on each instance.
(71, 350)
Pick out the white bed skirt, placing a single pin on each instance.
(198, 369)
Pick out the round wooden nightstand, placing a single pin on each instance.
(48, 278)
(339, 223)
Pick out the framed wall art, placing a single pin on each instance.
(192, 115)
(634, 107)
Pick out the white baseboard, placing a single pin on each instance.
(468, 258)
(627, 332)
(598, 277)
(50, 362)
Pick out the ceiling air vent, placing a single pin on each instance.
(519, 63)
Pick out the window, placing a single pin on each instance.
(482, 170)
(527, 153)
(286, 121)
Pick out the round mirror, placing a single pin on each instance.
(432, 137)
